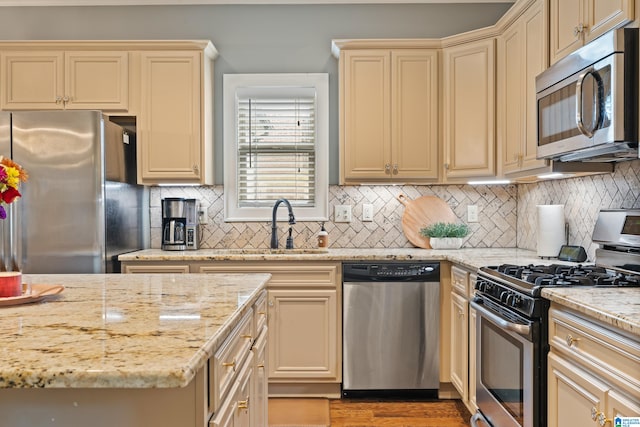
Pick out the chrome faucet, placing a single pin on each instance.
(274, 228)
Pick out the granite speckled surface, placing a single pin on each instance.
(124, 331)
(618, 307)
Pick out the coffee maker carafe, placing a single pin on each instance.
(179, 224)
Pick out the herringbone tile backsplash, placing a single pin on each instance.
(507, 214)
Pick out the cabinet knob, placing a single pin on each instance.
(387, 168)
(271, 304)
(446, 165)
(395, 169)
(196, 169)
(58, 99)
(571, 340)
(594, 413)
(65, 99)
(602, 419)
(579, 29)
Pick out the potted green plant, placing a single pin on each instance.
(445, 235)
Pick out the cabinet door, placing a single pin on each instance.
(604, 15)
(366, 115)
(511, 97)
(566, 19)
(260, 384)
(575, 397)
(535, 60)
(32, 80)
(303, 334)
(414, 113)
(169, 133)
(459, 345)
(469, 106)
(97, 80)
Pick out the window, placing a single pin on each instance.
(276, 132)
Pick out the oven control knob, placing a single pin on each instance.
(503, 296)
(510, 300)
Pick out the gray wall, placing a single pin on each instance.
(254, 39)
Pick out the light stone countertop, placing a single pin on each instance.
(121, 331)
(617, 307)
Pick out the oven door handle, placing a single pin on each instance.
(510, 326)
(478, 417)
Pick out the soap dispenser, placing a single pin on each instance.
(323, 237)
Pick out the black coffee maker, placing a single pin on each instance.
(174, 224)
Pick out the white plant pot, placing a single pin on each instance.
(446, 242)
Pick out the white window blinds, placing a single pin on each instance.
(276, 146)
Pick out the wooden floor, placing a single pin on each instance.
(374, 413)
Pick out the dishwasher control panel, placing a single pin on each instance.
(391, 271)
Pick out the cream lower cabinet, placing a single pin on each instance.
(576, 22)
(388, 114)
(462, 336)
(592, 371)
(72, 80)
(175, 124)
(304, 306)
(469, 110)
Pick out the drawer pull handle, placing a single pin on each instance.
(243, 404)
(570, 341)
(246, 336)
(262, 313)
(230, 364)
(261, 366)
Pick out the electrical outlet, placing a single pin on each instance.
(202, 217)
(367, 212)
(472, 213)
(342, 213)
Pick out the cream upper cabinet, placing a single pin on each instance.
(576, 22)
(469, 110)
(522, 55)
(83, 80)
(174, 127)
(388, 115)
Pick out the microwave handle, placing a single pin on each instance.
(598, 103)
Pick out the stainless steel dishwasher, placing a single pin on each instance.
(391, 323)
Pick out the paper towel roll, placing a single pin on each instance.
(551, 234)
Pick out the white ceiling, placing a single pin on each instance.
(187, 2)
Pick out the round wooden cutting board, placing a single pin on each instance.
(419, 213)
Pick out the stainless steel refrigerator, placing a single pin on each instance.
(80, 207)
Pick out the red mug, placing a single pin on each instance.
(10, 284)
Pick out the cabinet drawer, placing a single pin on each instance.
(229, 358)
(283, 274)
(234, 408)
(597, 347)
(460, 280)
(260, 313)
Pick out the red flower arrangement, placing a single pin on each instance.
(11, 175)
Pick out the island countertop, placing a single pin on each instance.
(121, 331)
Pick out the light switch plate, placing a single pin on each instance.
(342, 213)
(472, 213)
(367, 212)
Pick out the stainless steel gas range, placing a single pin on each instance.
(511, 320)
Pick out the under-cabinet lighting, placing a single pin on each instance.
(490, 182)
(553, 175)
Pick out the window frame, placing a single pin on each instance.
(233, 82)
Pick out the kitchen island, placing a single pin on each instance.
(125, 350)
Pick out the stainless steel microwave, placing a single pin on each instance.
(587, 103)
